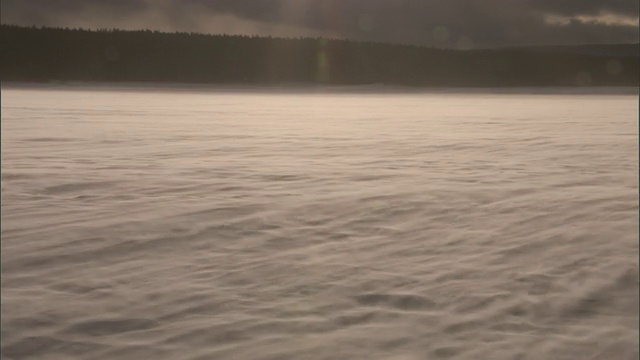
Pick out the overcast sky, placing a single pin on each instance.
(440, 23)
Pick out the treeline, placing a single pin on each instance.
(55, 54)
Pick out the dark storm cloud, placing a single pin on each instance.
(587, 7)
(450, 23)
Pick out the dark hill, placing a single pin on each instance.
(46, 54)
(611, 50)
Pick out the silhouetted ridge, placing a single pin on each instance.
(46, 54)
(610, 50)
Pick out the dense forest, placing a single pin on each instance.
(54, 54)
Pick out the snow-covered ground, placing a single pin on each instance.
(240, 224)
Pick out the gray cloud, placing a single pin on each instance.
(587, 7)
(451, 23)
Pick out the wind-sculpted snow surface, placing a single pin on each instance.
(228, 225)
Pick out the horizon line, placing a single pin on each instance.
(319, 38)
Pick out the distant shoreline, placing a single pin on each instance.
(135, 57)
(313, 88)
